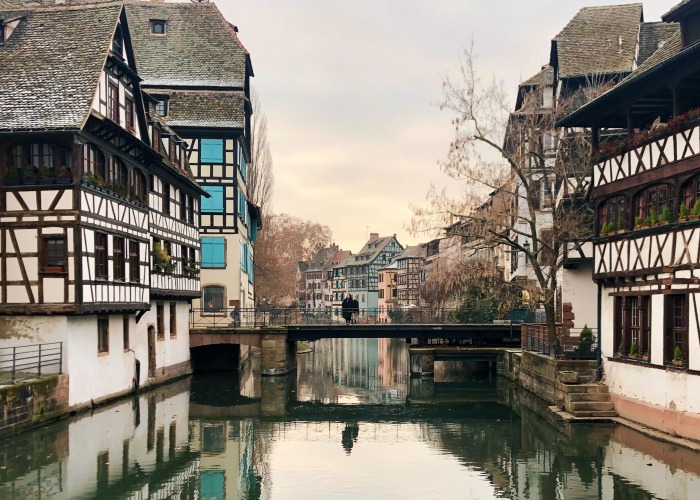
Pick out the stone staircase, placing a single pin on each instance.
(588, 400)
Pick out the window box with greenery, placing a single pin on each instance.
(678, 359)
(30, 174)
(12, 177)
(64, 175)
(695, 211)
(162, 261)
(191, 268)
(46, 175)
(93, 179)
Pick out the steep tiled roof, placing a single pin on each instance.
(206, 109)
(413, 252)
(599, 40)
(652, 36)
(544, 77)
(51, 65)
(670, 48)
(200, 48)
(371, 249)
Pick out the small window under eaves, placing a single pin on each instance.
(158, 26)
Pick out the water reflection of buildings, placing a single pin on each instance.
(354, 371)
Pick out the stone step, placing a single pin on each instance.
(598, 414)
(591, 406)
(597, 388)
(589, 396)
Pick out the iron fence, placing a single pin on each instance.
(260, 317)
(30, 361)
(569, 343)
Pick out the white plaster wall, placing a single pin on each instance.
(19, 331)
(578, 288)
(652, 475)
(607, 316)
(107, 430)
(94, 375)
(169, 351)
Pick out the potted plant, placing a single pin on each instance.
(12, 177)
(64, 175)
(683, 212)
(585, 340)
(162, 261)
(645, 356)
(678, 357)
(695, 211)
(638, 222)
(29, 174)
(653, 217)
(665, 216)
(46, 175)
(620, 350)
(634, 350)
(621, 226)
(191, 268)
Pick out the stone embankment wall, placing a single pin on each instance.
(30, 403)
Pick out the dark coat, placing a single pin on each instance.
(346, 307)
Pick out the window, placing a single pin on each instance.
(102, 335)
(691, 193)
(242, 207)
(632, 324)
(213, 298)
(138, 186)
(161, 321)
(134, 262)
(2, 32)
(214, 204)
(54, 254)
(113, 102)
(676, 327)
(212, 151)
(162, 107)
(214, 252)
(547, 255)
(166, 198)
(242, 161)
(158, 26)
(190, 209)
(93, 163)
(381, 293)
(129, 114)
(173, 320)
(118, 175)
(613, 212)
(535, 194)
(31, 162)
(125, 331)
(653, 200)
(118, 258)
(101, 256)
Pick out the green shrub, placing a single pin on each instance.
(585, 340)
(677, 354)
(696, 208)
(634, 349)
(683, 211)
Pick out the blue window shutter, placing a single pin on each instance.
(212, 151)
(251, 274)
(243, 257)
(242, 206)
(213, 252)
(215, 204)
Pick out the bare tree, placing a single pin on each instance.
(533, 175)
(284, 242)
(260, 176)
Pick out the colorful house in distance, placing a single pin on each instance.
(362, 270)
(387, 293)
(647, 270)
(197, 71)
(95, 252)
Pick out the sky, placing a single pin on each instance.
(350, 91)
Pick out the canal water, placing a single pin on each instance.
(349, 424)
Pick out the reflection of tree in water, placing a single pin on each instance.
(349, 436)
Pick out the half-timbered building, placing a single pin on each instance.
(197, 70)
(94, 251)
(646, 175)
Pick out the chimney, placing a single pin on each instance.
(373, 236)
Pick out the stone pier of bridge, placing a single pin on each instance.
(278, 353)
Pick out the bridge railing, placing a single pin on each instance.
(568, 342)
(260, 317)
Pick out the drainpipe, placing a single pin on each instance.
(599, 358)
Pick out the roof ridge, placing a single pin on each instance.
(75, 6)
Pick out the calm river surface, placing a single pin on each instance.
(349, 424)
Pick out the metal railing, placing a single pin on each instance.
(30, 361)
(568, 343)
(262, 317)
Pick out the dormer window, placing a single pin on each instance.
(118, 43)
(2, 32)
(158, 26)
(162, 107)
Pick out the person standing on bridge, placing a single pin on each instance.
(346, 308)
(355, 310)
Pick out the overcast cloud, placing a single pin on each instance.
(349, 87)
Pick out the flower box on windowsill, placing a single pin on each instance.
(53, 270)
